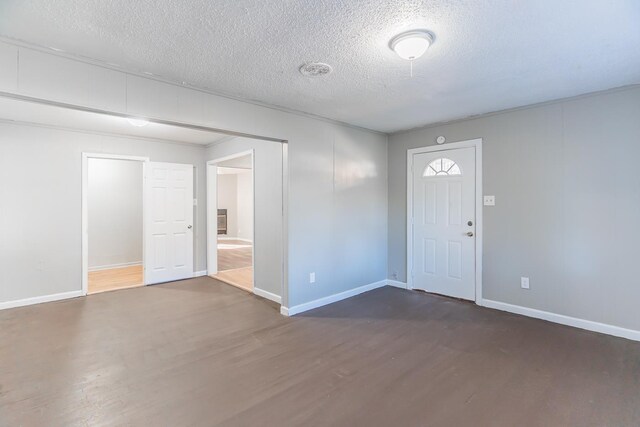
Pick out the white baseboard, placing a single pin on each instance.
(235, 238)
(396, 284)
(268, 295)
(290, 311)
(200, 273)
(110, 266)
(564, 320)
(38, 300)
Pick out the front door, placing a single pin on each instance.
(169, 223)
(443, 221)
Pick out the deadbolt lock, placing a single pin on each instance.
(470, 223)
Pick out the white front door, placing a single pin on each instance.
(169, 222)
(443, 248)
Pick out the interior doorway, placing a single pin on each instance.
(114, 212)
(234, 210)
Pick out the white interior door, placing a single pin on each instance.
(169, 222)
(444, 222)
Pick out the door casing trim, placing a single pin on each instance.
(471, 143)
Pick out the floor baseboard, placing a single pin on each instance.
(268, 295)
(564, 320)
(300, 308)
(112, 266)
(397, 284)
(235, 238)
(200, 273)
(38, 300)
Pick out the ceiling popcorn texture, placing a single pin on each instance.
(487, 56)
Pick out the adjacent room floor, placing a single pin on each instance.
(198, 352)
(115, 278)
(235, 265)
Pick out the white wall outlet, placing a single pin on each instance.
(394, 275)
(524, 282)
(489, 200)
(312, 277)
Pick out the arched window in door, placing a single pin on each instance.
(442, 167)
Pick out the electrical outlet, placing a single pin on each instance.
(524, 282)
(312, 277)
(394, 275)
(489, 200)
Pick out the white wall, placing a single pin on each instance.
(114, 208)
(40, 213)
(228, 199)
(565, 176)
(337, 174)
(244, 212)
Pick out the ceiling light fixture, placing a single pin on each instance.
(411, 45)
(138, 122)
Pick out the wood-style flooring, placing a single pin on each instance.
(233, 254)
(199, 353)
(239, 277)
(235, 263)
(115, 278)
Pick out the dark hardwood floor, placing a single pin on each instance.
(200, 353)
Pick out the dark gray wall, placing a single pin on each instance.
(567, 212)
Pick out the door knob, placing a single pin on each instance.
(470, 233)
(190, 227)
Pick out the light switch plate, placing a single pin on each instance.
(489, 200)
(524, 282)
(312, 277)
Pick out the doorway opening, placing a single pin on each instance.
(264, 237)
(114, 209)
(235, 222)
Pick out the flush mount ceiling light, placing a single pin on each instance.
(138, 122)
(411, 44)
(315, 69)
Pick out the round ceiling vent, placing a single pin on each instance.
(315, 69)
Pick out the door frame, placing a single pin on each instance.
(85, 209)
(212, 206)
(471, 143)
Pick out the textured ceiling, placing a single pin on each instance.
(488, 55)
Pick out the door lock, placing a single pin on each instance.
(469, 223)
(470, 234)
(190, 227)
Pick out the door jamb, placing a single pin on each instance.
(85, 210)
(474, 143)
(212, 206)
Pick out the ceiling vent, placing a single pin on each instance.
(315, 69)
